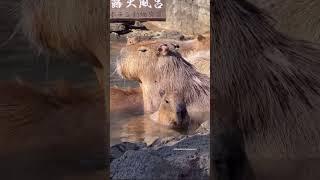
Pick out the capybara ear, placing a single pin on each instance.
(132, 40)
(162, 92)
(200, 37)
(175, 91)
(163, 49)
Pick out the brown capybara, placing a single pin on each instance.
(195, 51)
(126, 100)
(172, 111)
(55, 134)
(69, 27)
(158, 66)
(199, 43)
(299, 19)
(201, 61)
(266, 98)
(185, 48)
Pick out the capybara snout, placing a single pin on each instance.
(172, 111)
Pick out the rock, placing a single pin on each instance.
(184, 157)
(119, 149)
(117, 27)
(193, 18)
(171, 35)
(143, 165)
(204, 128)
(191, 153)
(114, 36)
(150, 140)
(138, 24)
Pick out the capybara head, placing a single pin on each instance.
(140, 59)
(133, 40)
(172, 111)
(199, 43)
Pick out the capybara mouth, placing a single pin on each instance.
(181, 124)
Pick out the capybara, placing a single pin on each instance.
(299, 19)
(51, 133)
(158, 66)
(126, 100)
(69, 27)
(266, 97)
(172, 111)
(195, 51)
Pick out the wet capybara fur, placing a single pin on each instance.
(126, 100)
(195, 51)
(299, 19)
(74, 27)
(266, 87)
(158, 66)
(55, 132)
(172, 111)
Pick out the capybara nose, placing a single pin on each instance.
(180, 107)
(175, 124)
(179, 124)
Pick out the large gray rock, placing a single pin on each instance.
(119, 149)
(116, 27)
(184, 157)
(143, 165)
(190, 16)
(204, 128)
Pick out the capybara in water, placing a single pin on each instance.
(53, 133)
(266, 97)
(126, 100)
(299, 19)
(158, 66)
(195, 51)
(68, 27)
(172, 111)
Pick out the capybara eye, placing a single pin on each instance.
(167, 101)
(176, 46)
(142, 49)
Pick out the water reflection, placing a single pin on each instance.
(143, 129)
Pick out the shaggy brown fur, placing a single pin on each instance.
(68, 27)
(296, 18)
(157, 66)
(201, 61)
(266, 85)
(172, 111)
(195, 51)
(200, 43)
(126, 100)
(45, 132)
(186, 48)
